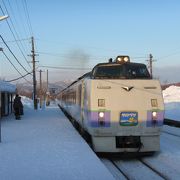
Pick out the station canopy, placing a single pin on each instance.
(7, 87)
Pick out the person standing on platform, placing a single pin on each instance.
(16, 106)
(21, 110)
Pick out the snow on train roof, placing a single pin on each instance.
(7, 87)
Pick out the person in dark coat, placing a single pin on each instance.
(21, 110)
(16, 106)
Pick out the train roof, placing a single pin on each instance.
(90, 74)
(116, 64)
(125, 70)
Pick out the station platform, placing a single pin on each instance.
(44, 145)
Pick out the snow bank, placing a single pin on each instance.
(171, 94)
(27, 102)
(171, 97)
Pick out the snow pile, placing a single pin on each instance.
(171, 94)
(27, 102)
(171, 97)
(7, 87)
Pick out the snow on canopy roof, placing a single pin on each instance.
(7, 87)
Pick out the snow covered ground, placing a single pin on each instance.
(44, 145)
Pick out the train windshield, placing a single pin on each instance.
(121, 71)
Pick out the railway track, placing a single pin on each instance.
(170, 133)
(172, 122)
(132, 169)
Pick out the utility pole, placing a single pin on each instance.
(47, 81)
(47, 91)
(150, 61)
(40, 82)
(34, 73)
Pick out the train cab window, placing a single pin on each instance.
(137, 72)
(121, 71)
(109, 72)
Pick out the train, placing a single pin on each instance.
(118, 105)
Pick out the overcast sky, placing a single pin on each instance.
(82, 33)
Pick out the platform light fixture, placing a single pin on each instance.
(3, 17)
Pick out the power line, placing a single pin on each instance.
(70, 68)
(13, 54)
(17, 40)
(21, 17)
(172, 54)
(15, 66)
(25, 6)
(15, 33)
(19, 78)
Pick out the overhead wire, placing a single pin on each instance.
(70, 68)
(16, 39)
(19, 78)
(24, 39)
(13, 54)
(21, 17)
(25, 6)
(22, 27)
(172, 54)
(23, 76)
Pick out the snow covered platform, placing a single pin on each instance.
(44, 145)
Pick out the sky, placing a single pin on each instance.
(82, 33)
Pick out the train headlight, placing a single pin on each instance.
(126, 59)
(154, 115)
(101, 114)
(122, 59)
(101, 118)
(119, 59)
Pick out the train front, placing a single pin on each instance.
(125, 109)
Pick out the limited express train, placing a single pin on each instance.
(118, 105)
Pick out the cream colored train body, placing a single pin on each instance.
(121, 112)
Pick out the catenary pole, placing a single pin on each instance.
(34, 74)
(40, 83)
(150, 66)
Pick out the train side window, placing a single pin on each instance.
(79, 94)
